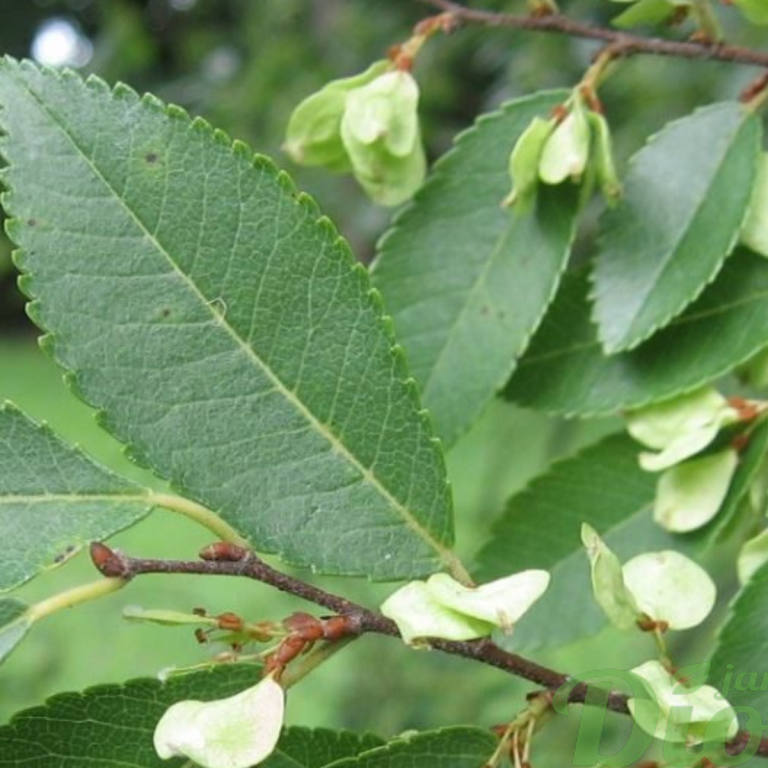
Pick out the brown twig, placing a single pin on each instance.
(624, 43)
(231, 560)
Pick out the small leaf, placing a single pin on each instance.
(245, 341)
(690, 494)
(565, 372)
(54, 499)
(685, 199)
(738, 661)
(608, 584)
(467, 281)
(13, 625)
(168, 618)
(669, 587)
(602, 486)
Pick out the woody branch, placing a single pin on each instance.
(229, 560)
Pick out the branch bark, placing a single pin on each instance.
(231, 560)
(623, 43)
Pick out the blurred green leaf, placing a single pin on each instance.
(224, 374)
(466, 280)
(564, 370)
(54, 499)
(541, 528)
(685, 198)
(742, 645)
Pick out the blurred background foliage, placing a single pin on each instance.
(244, 65)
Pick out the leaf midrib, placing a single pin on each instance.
(290, 396)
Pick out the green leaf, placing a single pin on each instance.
(738, 661)
(114, 724)
(602, 486)
(565, 371)
(222, 327)
(316, 748)
(13, 625)
(685, 199)
(468, 281)
(751, 462)
(457, 747)
(54, 499)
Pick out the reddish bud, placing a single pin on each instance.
(107, 561)
(305, 626)
(224, 551)
(230, 621)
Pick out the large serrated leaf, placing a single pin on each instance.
(565, 371)
(113, 725)
(54, 499)
(738, 662)
(541, 528)
(686, 197)
(221, 326)
(466, 280)
(110, 725)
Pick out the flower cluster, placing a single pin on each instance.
(367, 125)
(442, 607)
(572, 145)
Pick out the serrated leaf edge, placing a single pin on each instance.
(595, 294)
